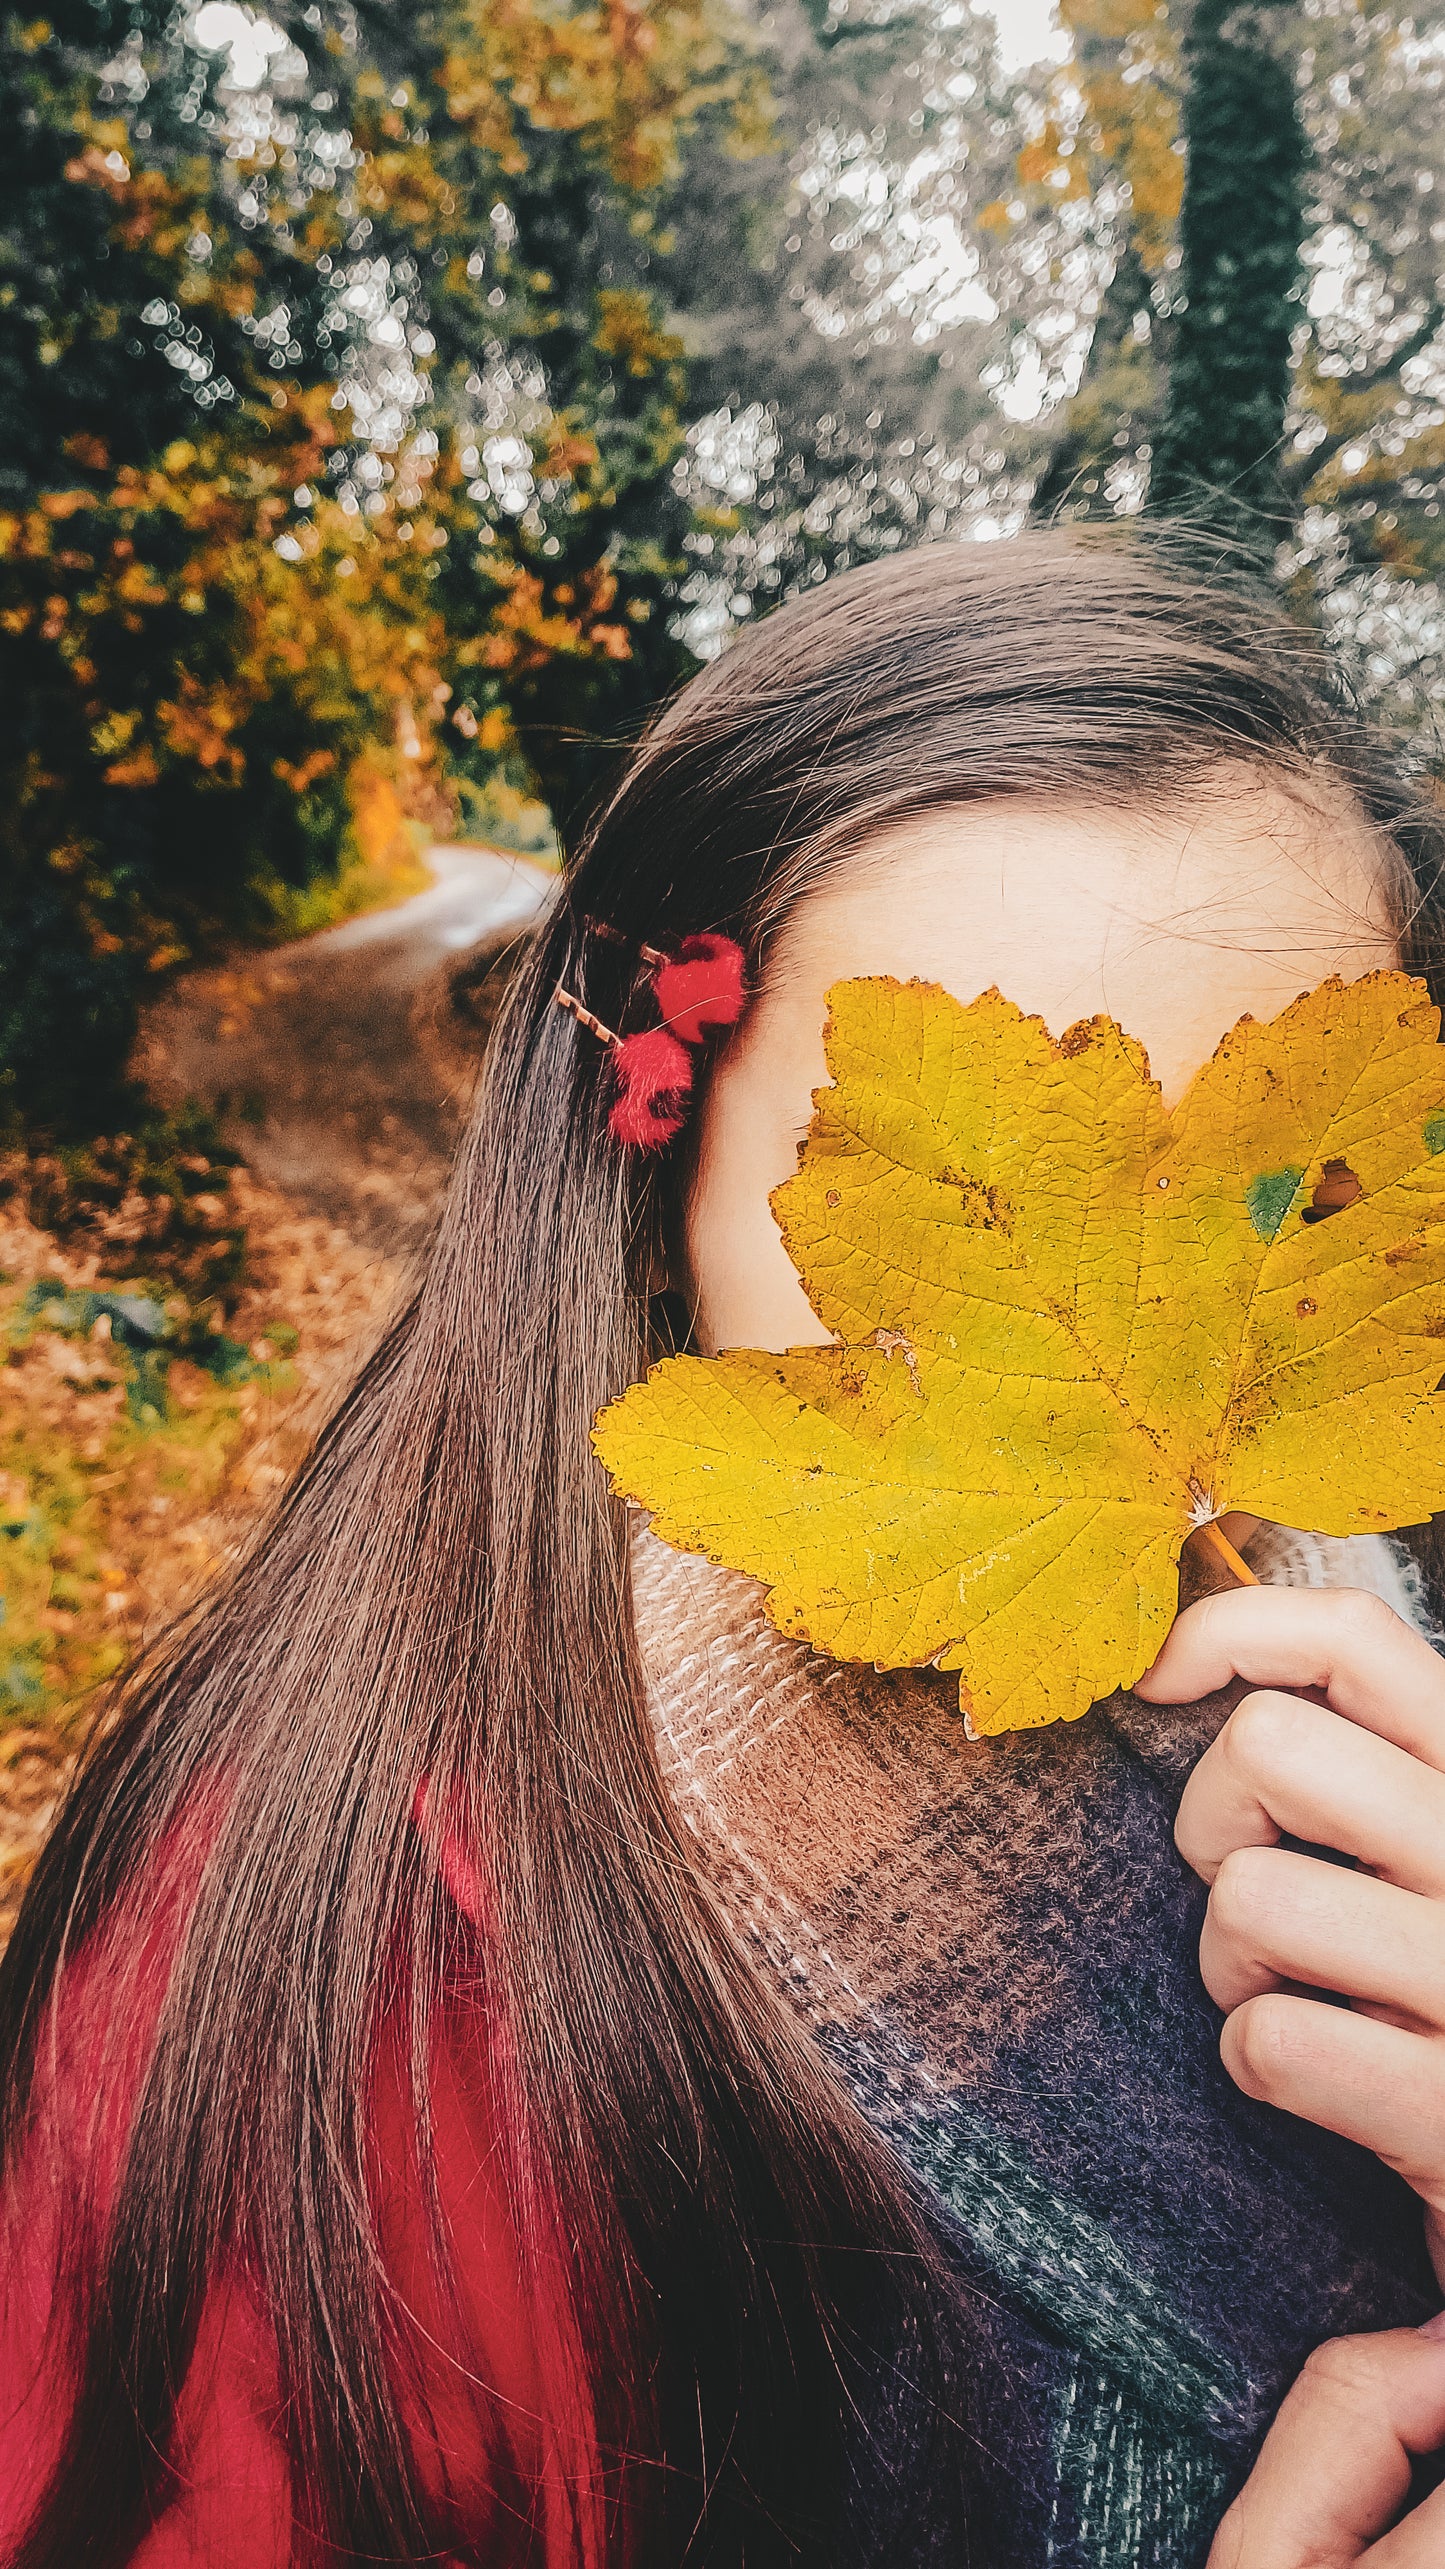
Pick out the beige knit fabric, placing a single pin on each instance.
(819, 1793)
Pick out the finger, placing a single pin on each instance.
(1370, 2082)
(1282, 1766)
(1335, 2467)
(1274, 1915)
(1373, 1668)
(1418, 2543)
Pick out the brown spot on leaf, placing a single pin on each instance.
(1403, 1251)
(986, 1208)
(1305, 1309)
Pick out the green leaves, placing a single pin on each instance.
(147, 1336)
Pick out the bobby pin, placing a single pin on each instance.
(566, 999)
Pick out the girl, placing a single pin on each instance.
(509, 2061)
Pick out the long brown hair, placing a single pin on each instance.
(444, 1594)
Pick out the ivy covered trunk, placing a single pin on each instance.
(1217, 457)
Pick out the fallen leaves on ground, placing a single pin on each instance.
(111, 1521)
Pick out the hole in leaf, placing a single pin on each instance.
(1338, 1187)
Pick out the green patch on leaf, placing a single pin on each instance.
(1269, 1198)
(1433, 1129)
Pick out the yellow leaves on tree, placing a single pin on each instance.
(627, 328)
(342, 613)
(1116, 118)
(628, 76)
(1067, 1328)
(1369, 454)
(532, 623)
(153, 208)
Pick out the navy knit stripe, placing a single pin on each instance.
(1055, 2260)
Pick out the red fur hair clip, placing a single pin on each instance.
(699, 989)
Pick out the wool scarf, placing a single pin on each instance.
(995, 1947)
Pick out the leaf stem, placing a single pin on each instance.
(1232, 1560)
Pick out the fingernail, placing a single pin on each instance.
(1434, 2327)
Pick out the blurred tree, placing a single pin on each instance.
(556, 366)
(1109, 146)
(1365, 458)
(337, 410)
(847, 307)
(1316, 133)
(1217, 457)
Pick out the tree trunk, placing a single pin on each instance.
(1217, 458)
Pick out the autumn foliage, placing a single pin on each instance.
(337, 455)
(395, 398)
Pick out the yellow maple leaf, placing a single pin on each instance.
(1067, 1328)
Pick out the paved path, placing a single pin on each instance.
(316, 1055)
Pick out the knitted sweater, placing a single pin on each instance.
(996, 1946)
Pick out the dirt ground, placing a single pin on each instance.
(337, 1065)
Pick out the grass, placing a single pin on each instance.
(501, 815)
(111, 1458)
(368, 883)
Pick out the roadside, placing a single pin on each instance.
(314, 1058)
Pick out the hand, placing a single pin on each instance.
(1362, 1771)
(1335, 2469)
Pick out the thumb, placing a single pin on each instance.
(1335, 2468)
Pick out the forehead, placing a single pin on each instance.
(1175, 916)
